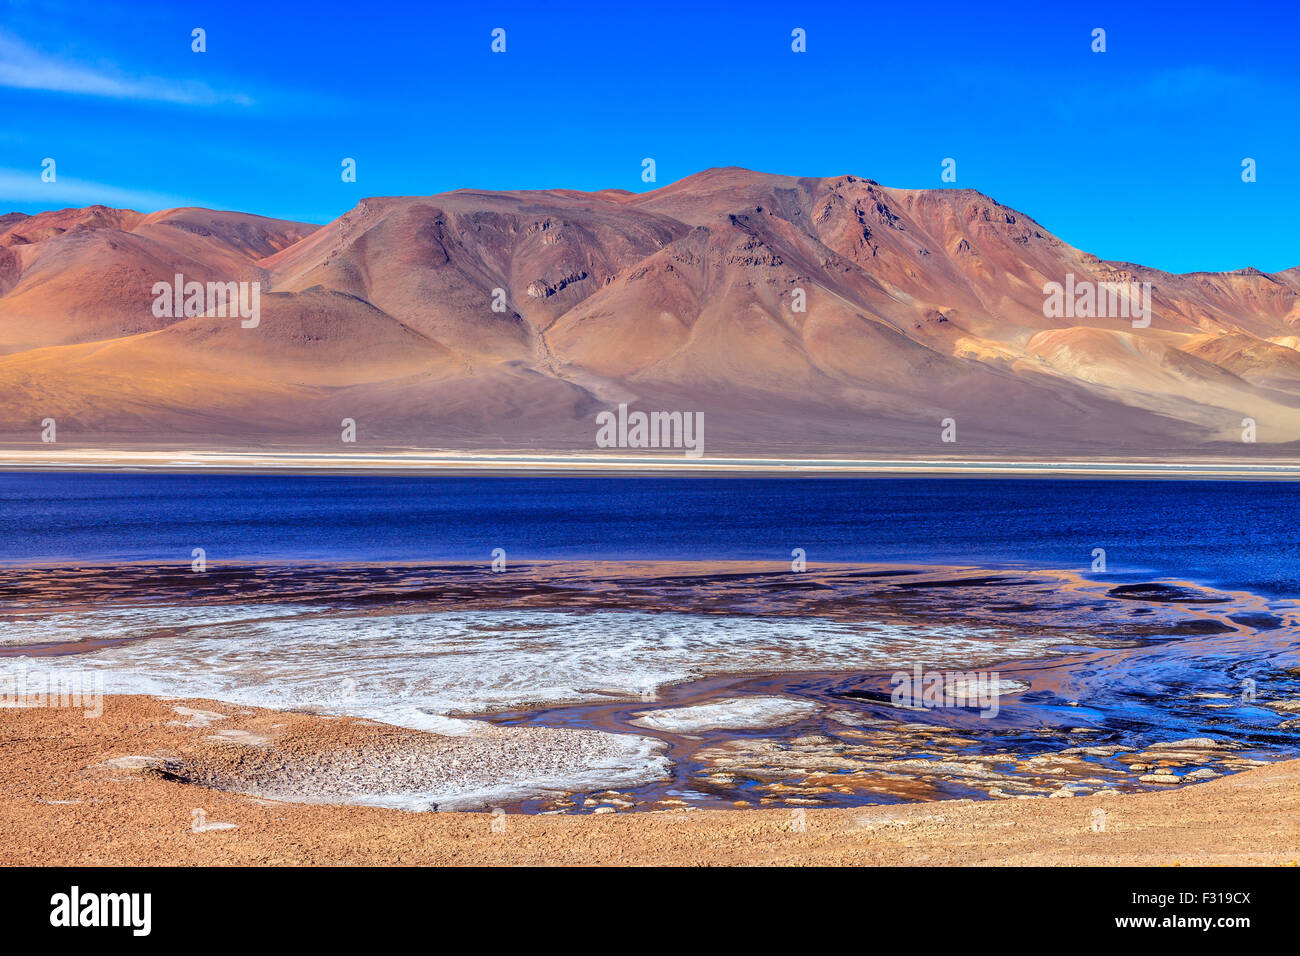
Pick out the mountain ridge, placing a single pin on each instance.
(920, 305)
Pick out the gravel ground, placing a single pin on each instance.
(123, 789)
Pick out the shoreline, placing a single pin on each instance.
(781, 686)
(839, 762)
(101, 792)
(200, 461)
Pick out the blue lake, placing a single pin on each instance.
(1237, 534)
(308, 593)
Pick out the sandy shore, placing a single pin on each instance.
(120, 790)
(56, 458)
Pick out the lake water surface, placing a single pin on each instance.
(667, 611)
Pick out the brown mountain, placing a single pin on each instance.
(921, 305)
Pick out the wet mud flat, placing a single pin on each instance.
(847, 745)
(1104, 687)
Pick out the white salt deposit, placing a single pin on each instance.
(735, 713)
(428, 671)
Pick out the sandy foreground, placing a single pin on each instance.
(118, 790)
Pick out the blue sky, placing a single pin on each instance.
(1133, 154)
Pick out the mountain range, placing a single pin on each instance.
(478, 320)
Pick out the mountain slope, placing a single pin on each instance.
(486, 320)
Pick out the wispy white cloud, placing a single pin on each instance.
(26, 187)
(1200, 82)
(26, 68)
